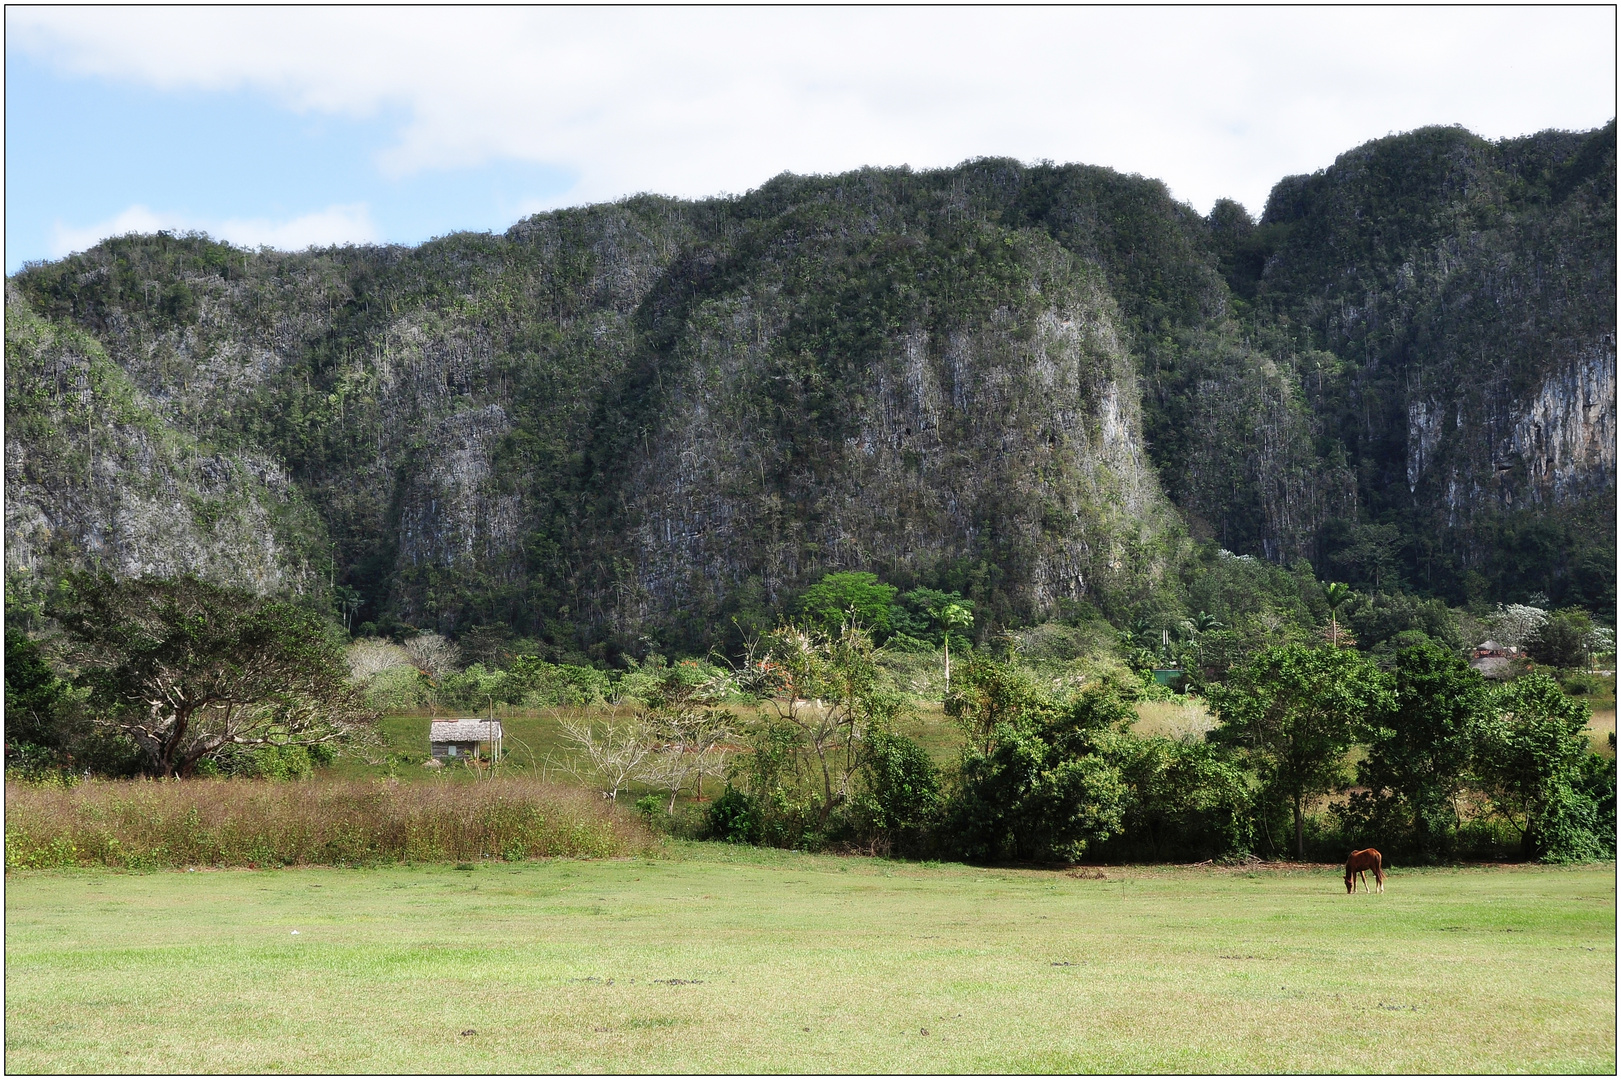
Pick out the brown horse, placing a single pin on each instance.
(1361, 862)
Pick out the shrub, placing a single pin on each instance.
(900, 797)
(734, 817)
(1186, 800)
(1034, 783)
(1560, 641)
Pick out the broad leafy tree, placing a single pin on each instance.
(186, 668)
(1561, 640)
(1419, 751)
(848, 597)
(1529, 760)
(1036, 782)
(1295, 711)
(33, 693)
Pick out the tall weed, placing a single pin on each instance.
(150, 824)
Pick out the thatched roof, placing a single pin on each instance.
(460, 731)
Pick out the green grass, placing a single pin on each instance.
(790, 962)
(535, 742)
(537, 746)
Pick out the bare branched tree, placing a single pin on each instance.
(615, 749)
(688, 732)
(372, 656)
(433, 655)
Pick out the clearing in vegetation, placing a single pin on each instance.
(711, 958)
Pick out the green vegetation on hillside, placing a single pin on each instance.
(649, 426)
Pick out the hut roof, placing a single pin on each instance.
(465, 730)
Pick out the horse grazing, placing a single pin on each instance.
(1361, 862)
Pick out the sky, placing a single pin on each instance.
(292, 127)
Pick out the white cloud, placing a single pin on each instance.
(693, 101)
(351, 224)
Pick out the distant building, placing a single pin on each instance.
(464, 738)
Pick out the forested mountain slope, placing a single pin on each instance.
(653, 422)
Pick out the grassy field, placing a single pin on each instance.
(1601, 728)
(710, 958)
(536, 743)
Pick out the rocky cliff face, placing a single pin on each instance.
(1015, 442)
(94, 477)
(1463, 292)
(630, 425)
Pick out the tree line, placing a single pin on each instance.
(1318, 744)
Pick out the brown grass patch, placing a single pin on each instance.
(151, 824)
(1182, 718)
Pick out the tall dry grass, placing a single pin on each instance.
(151, 824)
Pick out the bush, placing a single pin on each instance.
(735, 818)
(1186, 800)
(901, 790)
(1561, 640)
(1034, 783)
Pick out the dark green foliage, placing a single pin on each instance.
(1419, 752)
(734, 818)
(1034, 781)
(1561, 641)
(1529, 760)
(33, 695)
(1186, 801)
(849, 597)
(1596, 783)
(775, 802)
(900, 797)
(1294, 711)
(47, 729)
(186, 669)
(915, 617)
(1379, 619)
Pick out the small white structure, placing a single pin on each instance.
(464, 738)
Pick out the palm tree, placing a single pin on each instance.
(1336, 593)
(951, 616)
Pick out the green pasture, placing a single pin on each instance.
(719, 959)
(536, 743)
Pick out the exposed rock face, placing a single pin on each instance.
(449, 514)
(624, 426)
(1020, 440)
(95, 478)
(1566, 433)
(1465, 291)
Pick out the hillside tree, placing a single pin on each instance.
(1294, 711)
(186, 668)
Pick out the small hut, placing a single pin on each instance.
(465, 738)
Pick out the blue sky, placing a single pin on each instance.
(82, 151)
(299, 126)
